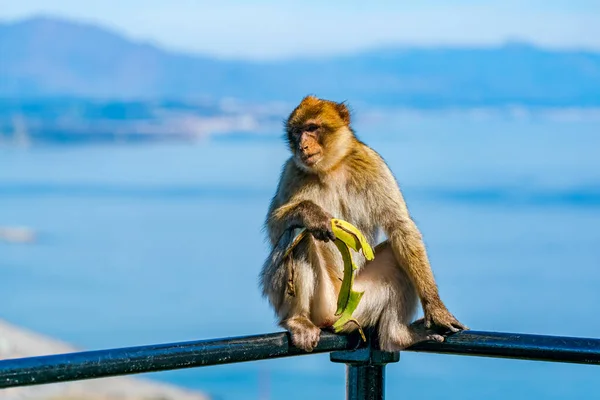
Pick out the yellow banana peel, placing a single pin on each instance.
(352, 237)
(347, 237)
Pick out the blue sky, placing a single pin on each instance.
(275, 29)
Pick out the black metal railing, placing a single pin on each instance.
(365, 364)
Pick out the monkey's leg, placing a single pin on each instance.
(292, 308)
(389, 302)
(294, 312)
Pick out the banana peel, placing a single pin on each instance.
(291, 289)
(352, 237)
(347, 237)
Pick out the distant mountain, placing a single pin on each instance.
(54, 57)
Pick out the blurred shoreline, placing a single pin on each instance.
(16, 342)
(76, 121)
(17, 234)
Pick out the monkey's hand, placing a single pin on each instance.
(441, 320)
(318, 223)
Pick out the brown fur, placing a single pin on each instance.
(333, 174)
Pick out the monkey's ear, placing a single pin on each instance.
(343, 111)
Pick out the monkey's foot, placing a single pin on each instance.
(441, 320)
(403, 336)
(305, 335)
(420, 333)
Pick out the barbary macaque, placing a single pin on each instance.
(332, 174)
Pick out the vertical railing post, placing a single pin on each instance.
(365, 370)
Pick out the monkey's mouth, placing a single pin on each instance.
(310, 159)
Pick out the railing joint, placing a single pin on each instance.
(365, 369)
(367, 355)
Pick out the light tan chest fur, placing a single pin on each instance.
(336, 197)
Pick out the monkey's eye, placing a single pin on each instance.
(311, 127)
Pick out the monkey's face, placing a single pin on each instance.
(306, 142)
(317, 133)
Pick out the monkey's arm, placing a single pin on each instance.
(301, 213)
(409, 249)
(293, 206)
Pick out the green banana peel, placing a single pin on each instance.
(346, 315)
(348, 279)
(347, 237)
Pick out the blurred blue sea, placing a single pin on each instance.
(162, 243)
